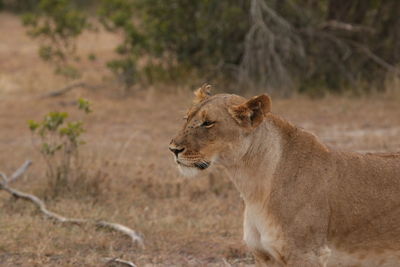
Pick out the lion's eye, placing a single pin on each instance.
(207, 124)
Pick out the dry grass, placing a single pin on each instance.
(184, 222)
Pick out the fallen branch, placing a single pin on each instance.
(116, 260)
(136, 238)
(40, 204)
(68, 88)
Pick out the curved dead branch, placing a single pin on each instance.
(135, 237)
(41, 206)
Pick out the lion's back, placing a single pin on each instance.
(365, 204)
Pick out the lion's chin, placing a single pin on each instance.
(192, 169)
(188, 171)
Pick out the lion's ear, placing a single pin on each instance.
(251, 113)
(202, 93)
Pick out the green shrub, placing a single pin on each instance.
(59, 144)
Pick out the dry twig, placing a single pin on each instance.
(68, 88)
(117, 260)
(339, 25)
(20, 171)
(136, 238)
(378, 60)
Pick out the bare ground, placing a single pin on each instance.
(184, 222)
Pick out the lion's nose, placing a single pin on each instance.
(176, 150)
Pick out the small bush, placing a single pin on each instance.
(60, 143)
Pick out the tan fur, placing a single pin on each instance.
(306, 204)
(202, 93)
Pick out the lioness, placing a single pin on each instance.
(305, 204)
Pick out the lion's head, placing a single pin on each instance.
(216, 128)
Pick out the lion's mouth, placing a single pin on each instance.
(201, 165)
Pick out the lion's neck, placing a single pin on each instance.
(253, 172)
(273, 145)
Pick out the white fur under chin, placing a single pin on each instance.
(188, 171)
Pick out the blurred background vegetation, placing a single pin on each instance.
(279, 46)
